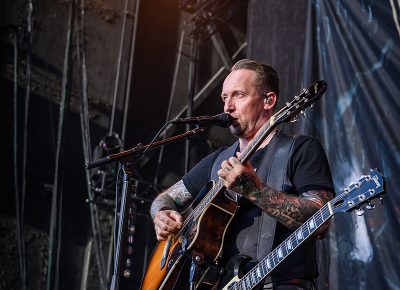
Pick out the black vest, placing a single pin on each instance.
(272, 171)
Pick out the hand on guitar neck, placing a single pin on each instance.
(239, 177)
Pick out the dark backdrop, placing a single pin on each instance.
(354, 46)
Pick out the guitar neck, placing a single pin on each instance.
(265, 130)
(366, 188)
(275, 257)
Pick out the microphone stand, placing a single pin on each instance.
(126, 213)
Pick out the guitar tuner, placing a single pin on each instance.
(360, 212)
(303, 114)
(370, 206)
(362, 197)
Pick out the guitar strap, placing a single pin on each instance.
(272, 170)
(224, 155)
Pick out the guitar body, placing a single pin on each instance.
(204, 236)
(155, 272)
(211, 227)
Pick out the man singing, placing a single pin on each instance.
(285, 182)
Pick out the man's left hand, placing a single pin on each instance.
(238, 177)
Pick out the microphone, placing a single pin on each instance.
(222, 120)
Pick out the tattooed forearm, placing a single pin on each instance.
(291, 211)
(163, 201)
(179, 193)
(176, 195)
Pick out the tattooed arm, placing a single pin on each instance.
(164, 210)
(291, 211)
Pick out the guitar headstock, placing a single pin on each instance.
(368, 187)
(307, 98)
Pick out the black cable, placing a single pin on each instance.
(156, 136)
(130, 69)
(178, 59)
(115, 213)
(56, 205)
(116, 84)
(86, 144)
(191, 91)
(20, 235)
(25, 137)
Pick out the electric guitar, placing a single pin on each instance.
(363, 191)
(202, 234)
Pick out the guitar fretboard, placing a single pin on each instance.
(219, 187)
(275, 257)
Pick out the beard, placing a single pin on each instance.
(236, 130)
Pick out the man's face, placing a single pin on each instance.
(243, 102)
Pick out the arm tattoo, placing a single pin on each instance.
(291, 211)
(179, 193)
(176, 195)
(163, 201)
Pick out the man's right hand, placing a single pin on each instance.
(167, 222)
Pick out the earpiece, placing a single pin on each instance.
(268, 100)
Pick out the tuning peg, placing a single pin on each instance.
(370, 206)
(381, 199)
(311, 107)
(303, 114)
(359, 212)
(294, 120)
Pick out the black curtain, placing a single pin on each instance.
(354, 46)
